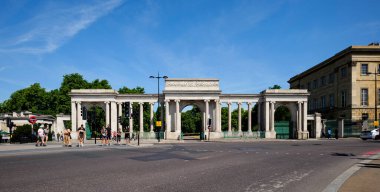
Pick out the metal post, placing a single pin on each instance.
(158, 101)
(376, 72)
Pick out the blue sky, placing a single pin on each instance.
(248, 45)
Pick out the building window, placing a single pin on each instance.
(343, 98)
(323, 80)
(343, 72)
(364, 97)
(309, 86)
(331, 78)
(302, 86)
(332, 101)
(364, 69)
(315, 84)
(315, 104)
(323, 102)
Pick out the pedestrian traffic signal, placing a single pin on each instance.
(126, 109)
(84, 113)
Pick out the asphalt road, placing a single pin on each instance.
(198, 166)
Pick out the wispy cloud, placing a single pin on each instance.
(50, 29)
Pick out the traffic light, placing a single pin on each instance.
(83, 112)
(126, 109)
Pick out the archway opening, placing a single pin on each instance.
(283, 123)
(191, 123)
(96, 119)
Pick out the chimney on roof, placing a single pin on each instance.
(374, 44)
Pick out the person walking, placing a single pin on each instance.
(104, 135)
(46, 131)
(108, 135)
(66, 138)
(81, 131)
(41, 137)
(118, 136)
(127, 136)
(329, 133)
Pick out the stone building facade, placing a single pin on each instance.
(341, 86)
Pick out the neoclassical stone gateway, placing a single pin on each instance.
(205, 94)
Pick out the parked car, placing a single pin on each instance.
(364, 135)
(375, 134)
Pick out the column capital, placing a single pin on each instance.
(106, 102)
(119, 103)
(239, 103)
(151, 103)
(78, 102)
(229, 103)
(167, 100)
(216, 100)
(207, 100)
(141, 103)
(249, 103)
(177, 100)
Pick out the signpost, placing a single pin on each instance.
(32, 120)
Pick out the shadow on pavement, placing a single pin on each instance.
(369, 165)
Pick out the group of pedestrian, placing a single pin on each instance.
(42, 136)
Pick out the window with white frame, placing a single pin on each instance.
(364, 69)
(364, 97)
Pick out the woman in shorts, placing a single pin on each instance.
(104, 135)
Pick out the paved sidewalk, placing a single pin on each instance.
(366, 178)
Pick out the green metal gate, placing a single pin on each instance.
(282, 129)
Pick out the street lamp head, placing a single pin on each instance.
(151, 77)
(165, 77)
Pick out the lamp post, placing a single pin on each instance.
(375, 73)
(158, 77)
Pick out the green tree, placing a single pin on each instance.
(275, 87)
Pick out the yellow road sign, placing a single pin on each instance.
(158, 123)
(376, 123)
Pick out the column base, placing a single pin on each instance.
(303, 135)
(270, 134)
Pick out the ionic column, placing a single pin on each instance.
(217, 115)
(249, 117)
(220, 117)
(167, 124)
(79, 116)
(272, 115)
(151, 117)
(130, 119)
(267, 116)
(305, 116)
(178, 117)
(239, 116)
(207, 113)
(259, 115)
(107, 113)
(299, 117)
(141, 122)
(229, 117)
(119, 114)
(73, 116)
(113, 116)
